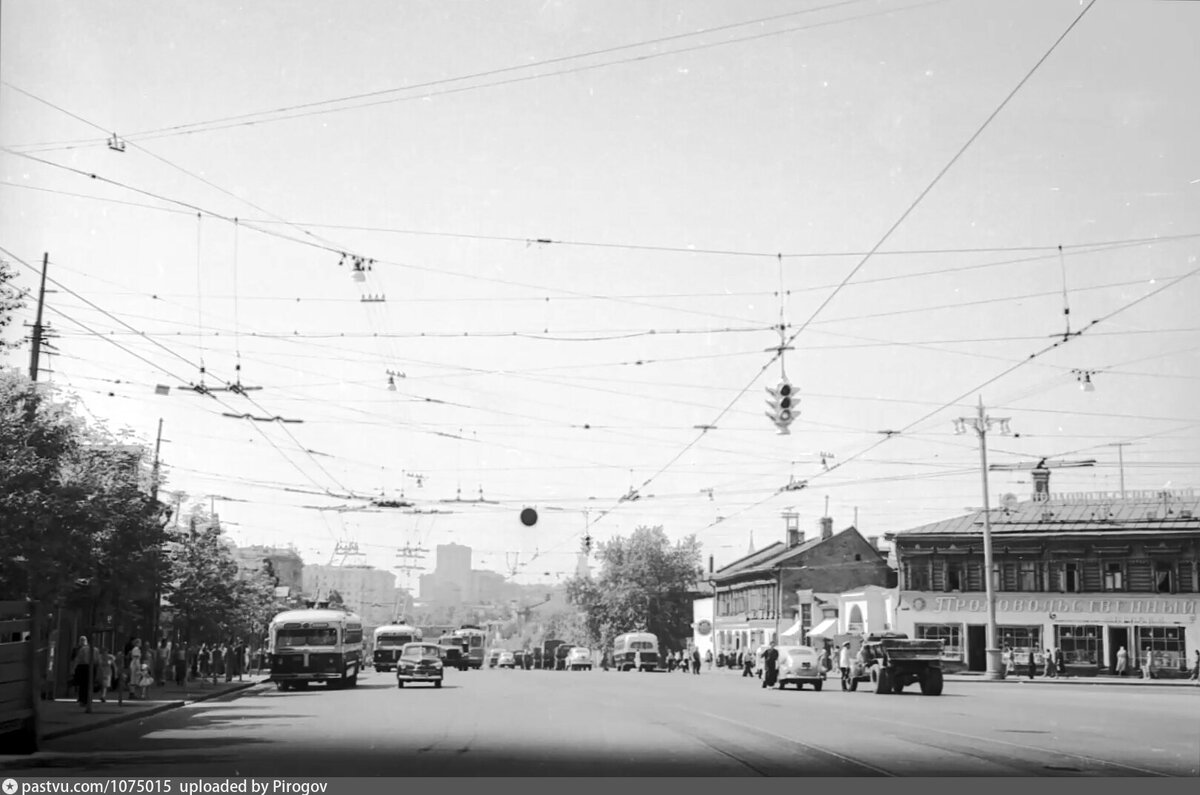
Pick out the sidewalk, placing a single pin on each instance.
(62, 717)
(1107, 679)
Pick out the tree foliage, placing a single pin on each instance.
(76, 525)
(644, 585)
(10, 302)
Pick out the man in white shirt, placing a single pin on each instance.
(844, 664)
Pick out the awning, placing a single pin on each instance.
(793, 630)
(824, 629)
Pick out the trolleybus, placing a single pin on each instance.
(315, 646)
(389, 640)
(473, 640)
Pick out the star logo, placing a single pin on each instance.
(10, 786)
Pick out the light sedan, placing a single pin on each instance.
(419, 662)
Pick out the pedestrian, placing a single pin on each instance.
(1148, 664)
(1032, 664)
(229, 661)
(145, 680)
(1006, 661)
(1060, 662)
(844, 664)
(1122, 662)
(1196, 668)
(105, 674)
(133, 662)
(84, 663)
(696, 661)
(770, 665)
(708, 659)
(119, 677)
(747, 662)
(162, 662)
(1048, 664)
(823, 662)
(180, 655)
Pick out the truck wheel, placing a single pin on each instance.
(817, 685)
(438, 683)
(931, 685)
(883, 683)
(400, 683)
(284, 686)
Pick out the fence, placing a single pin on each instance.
(19, 697)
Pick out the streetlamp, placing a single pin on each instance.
(981, 423)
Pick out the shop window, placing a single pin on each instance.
(1021, 641)
(1114, 576)
(1167, 644)
(1164, 577)
(1080, 644)
(1027, 579)
(949, 634)
(956, 576)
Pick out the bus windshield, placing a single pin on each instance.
(641, 644)
(393, 640)
(307, 637)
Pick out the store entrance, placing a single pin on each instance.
(976, 647)
(1118, 637)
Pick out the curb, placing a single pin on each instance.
(1080, 681)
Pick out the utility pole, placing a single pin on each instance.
(36, 349)
(154, 470)
(981, 424)
(1121, 462)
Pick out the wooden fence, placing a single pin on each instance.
(19, 695)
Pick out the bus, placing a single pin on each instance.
(636, 650)
(315, 646)
(389, 640)
(473, 640)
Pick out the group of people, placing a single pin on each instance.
(1054, 663)
(687, 660)
(135, 668)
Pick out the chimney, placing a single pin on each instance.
(826, 527)
(1041, 484)
(874, 542)
(710, 564)
(794, 536)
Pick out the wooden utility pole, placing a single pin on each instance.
(154, 471)
(35, 350)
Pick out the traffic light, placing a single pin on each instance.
(783, 406)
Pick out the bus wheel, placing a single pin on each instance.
(399, 683)
(353, 680)
(438, 683)
(302, 685)
(283, 686)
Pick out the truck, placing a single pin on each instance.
(892, 660)
(549, 650)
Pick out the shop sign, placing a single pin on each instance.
(1134, 610)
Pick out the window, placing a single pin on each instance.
(1164, 577)
(1027, 579)
(1080, 644)
(1070, 580)
(956, 576)
(949, 634)
(1168, 645)
(917, 575)
(1021, 641)
(307, 637)
(354, 636)
(1114, 576)
(997, 579)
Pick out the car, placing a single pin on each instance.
(493, 657)
(419, 662)
(799, 666)
(579, 658)
(506, 660)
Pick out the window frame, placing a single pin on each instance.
(1113, 580)
(951, 636)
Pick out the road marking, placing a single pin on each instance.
(817, 748)
(1019, 745)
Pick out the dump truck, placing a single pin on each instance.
(892, 660)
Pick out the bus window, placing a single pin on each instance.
(476, 641)
(393, 640)
(307, 637)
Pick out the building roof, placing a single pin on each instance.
(1069, 516)
(766, 560)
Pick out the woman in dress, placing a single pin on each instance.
(134, 660)
(1122, 662)
(105, 674)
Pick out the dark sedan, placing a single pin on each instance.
(419, 662)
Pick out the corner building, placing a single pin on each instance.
(1087, 573)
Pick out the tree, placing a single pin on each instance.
(644, 584)
(10, 302)
(202, 588)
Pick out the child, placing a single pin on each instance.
(145, 679)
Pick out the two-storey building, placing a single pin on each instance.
(756, 597)
(1087, 573)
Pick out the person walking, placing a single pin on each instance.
(708, 659)
(1048, 665)
(696, 661)
(133, 664)
(1122, 662)
(1006, 662)
(105, 673)
(844, 664)
(84, 664)
(180, 655)
(770, 665)
(1148, 664)
(747, 662)
(119, 677)
(1196, 668)
(1032, 666)
(230, 661)
(162, 662)
(1060, 663)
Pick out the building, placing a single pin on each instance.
(450, 581)
(703, 608)
(283, 564)
(1087, 573)
(366, 590)
(761, 594)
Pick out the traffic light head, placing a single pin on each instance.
(782, 402)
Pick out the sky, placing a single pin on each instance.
(584, 224)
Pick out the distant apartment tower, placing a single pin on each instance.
(366, 590)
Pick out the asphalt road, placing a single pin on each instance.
(546, 723)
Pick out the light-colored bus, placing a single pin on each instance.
(636, 650)
(473, 640)
(389, 640)
(315, 646)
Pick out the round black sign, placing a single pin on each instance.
(529, 517)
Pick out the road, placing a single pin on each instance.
(545, 723)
